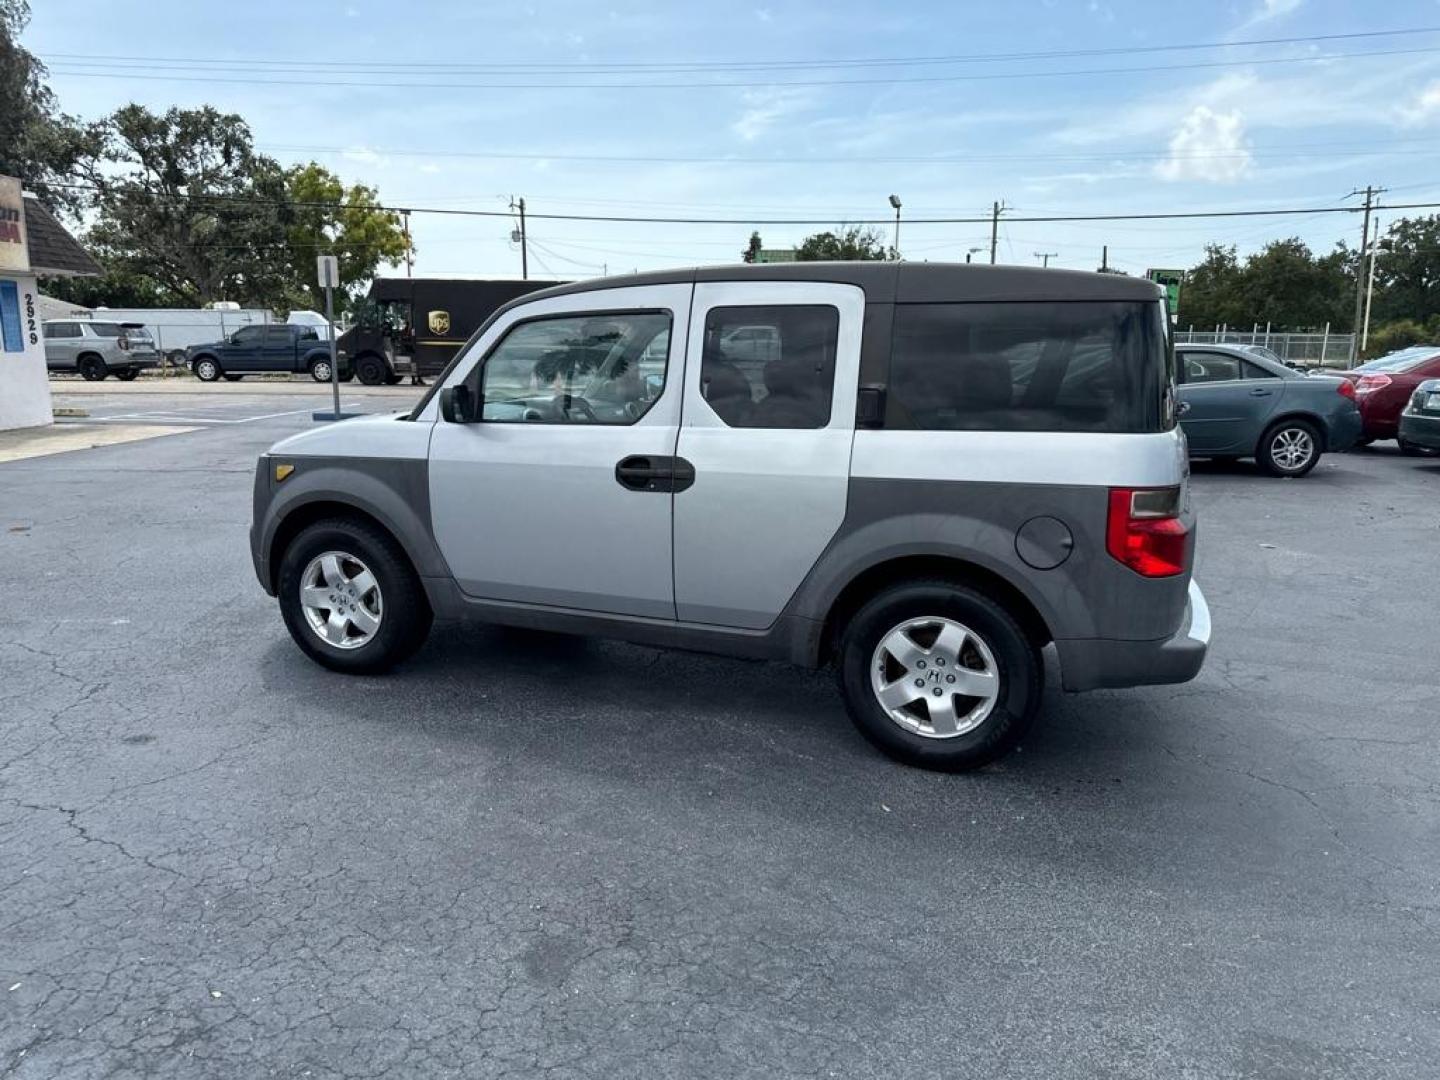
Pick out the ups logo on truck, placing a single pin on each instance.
(439, 322)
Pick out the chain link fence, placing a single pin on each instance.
(1309, 350)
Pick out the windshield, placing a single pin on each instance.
(1400, 361)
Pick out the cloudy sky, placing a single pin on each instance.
(810, 109)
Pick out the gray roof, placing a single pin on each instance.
(52, 249)
(902, 283)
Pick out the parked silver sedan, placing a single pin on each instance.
(1237, 404)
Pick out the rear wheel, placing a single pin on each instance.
(92, 368)
(350, 598)
(207, 369)
(233, 378)
(127, 375)
(939, 675)
(1289, 448)
(371, 370)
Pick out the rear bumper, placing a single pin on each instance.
(1108, 663)
(1420, 430)
(1344, 431)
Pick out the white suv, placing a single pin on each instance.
(929, 474)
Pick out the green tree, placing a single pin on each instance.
(1210, 295)
(850, 243)
(113, 289)
(1285, 286)
(38, 143)
(326, 217)
(184, 200)
(1407, 271)
(752, 249)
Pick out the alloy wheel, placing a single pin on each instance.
(935, 677)
(1292, 448)
(341, 600)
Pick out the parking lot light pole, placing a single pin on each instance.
(895, 202)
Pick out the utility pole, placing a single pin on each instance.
(1370, 192)
(1105, 258)
(1370, 287)
(519, 236)
(1045, 257)
(1000, 207)
(409, 250)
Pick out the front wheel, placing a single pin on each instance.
(1290, 448)
(127, 376)
(350, 598)
(939, 675)
(207, 370)
(320, 370)
(371, 370)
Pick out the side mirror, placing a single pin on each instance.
(458, 405)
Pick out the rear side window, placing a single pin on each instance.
(770, 367)
(62, 330)
(105, 329)
(1070, 366)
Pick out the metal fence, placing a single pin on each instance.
(1324, 349)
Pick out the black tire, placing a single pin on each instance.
(392, 379)
(320, 369)
(1410, 449)
(207, 368)
(1272, 443)
(233, 378)
(371, 370)
(405, 613)
(92, 368)
(129, 375)
(1019, 674)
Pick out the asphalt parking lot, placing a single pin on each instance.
(532, 855)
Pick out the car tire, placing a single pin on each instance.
(1410, 449)
(207, 369)
(1290, 448)
(127, 376)
(393, 379)
(946, 631)
(92, 368)
(385, 616)
(371, 370)
(320, 370)
(233, 378)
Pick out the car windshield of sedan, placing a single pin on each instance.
(1400, 361)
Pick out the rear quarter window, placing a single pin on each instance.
(1031, 366)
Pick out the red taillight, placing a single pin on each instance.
(1345, 389)
(1144, 531)
(1369, 383)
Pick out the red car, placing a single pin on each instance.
(1383, 386)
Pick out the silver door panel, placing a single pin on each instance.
(765, 503)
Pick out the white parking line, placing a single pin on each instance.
(178, 418)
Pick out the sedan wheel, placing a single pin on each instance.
(1290, 448)
(341, 600)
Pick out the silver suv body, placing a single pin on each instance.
(933, 473)
(96, 349)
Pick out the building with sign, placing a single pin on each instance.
(32, 242)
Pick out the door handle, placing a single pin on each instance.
(1260, 391)
(641, 472)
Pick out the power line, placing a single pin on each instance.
(544, 66)
(749, 221)
(372, 84)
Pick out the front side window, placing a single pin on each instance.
(1255, 371)
(770, 367)
(578, 369)
(1063, 366)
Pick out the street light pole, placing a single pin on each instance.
(1045, 257)
(895, 202)
(519, 234)
(969, 252)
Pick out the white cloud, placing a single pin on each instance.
(765, 108)
(1269, 9)
(1209, 146)
(1424, 108)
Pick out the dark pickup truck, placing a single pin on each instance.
(264, 348)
